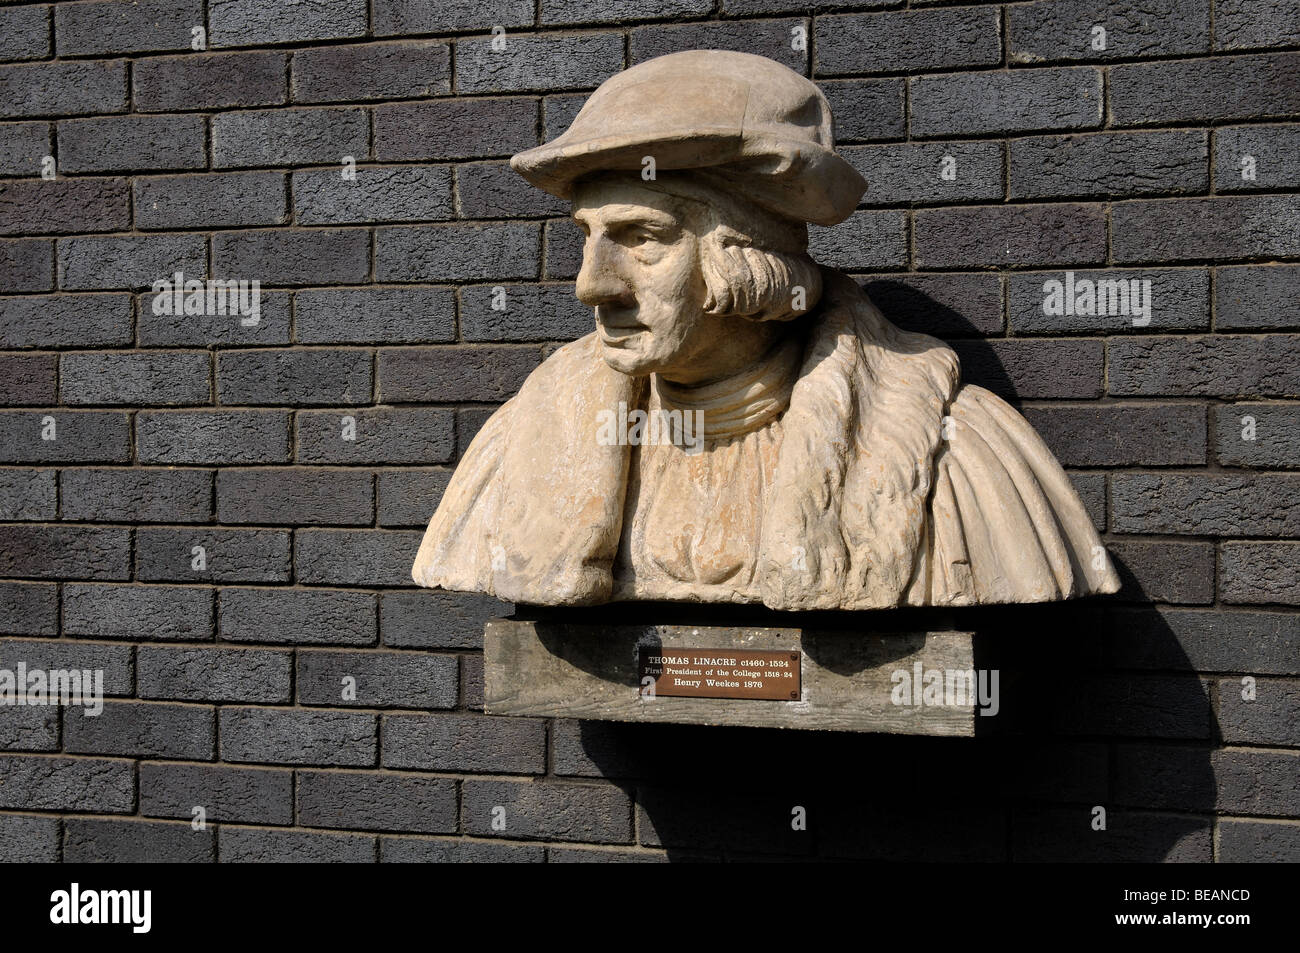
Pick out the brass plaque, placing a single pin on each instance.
(721, 673)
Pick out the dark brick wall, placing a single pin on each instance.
(175, 432)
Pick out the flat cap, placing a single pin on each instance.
(743, 118)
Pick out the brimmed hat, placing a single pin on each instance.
(741, 117)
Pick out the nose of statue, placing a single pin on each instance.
(599, 281)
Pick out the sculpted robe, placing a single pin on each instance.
(854, 472)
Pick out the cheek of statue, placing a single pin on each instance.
(656, 331)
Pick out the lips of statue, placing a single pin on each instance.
(641, 274)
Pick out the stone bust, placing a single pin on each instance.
(743, 425)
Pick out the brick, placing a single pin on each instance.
(129, 262)
(63, 206)
(584, 11)
(23, 145)
(1257, 782)
(29, 608)
(455, 128)
(406, 70)
(1158, 571)
(28, 379)
(1221, 88)
(31, 840)
(1260, 573)
(433, 16)
(586, 855)
(300, 378)
(1123, 435)
(1276, 432)
(24, 33)
(131, 143)
(913, 172)
(236, 199)
(278, 137)
(208, 81)
(377, 802)
(297, 496)
(865, 241)
(26, 265)
(494, 190)
(1178, 299)
(453, 373)
(473, 743)
(237, 795)
(206, 330)
(29, 728)
(1206, 504)
(153, 613)
(530, 313)
(259, 845)
(60, 552)
(113, 660)
(1256, 158)
(1225, 228)
(253, 22)
(866, 109)
(1213, 366)
(125, 26)
(379, 679)
(1163, 776)
(771, 38)
(354, 557)
(298, 736)
(1249, 298)
(1244, 24)
(563, 243)
(547, 810)
(27, 494)
(1147, 706)
(1024, 369)
(136, 495)
(430, 850)
(1061, 234)
(327, 256)
(409, 497)
(41, 783)
(1056, 834)
(951, 305)
(92, 840)
(106, 378)
(233, 555)
(1206, 640)
(138, 729)
(376, 194)
(66, 88)
(183, 673)
(1110, 164)
(1029, 100)
(74, 437)
(428, 619)
(424, 315)
(298, 616)
(908, 41)
(456, 252)
(1256, 841)
(1272, 717)
(471, 682)
(227, 437)
(1060, 30)
(65, 321)
(383, 435)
